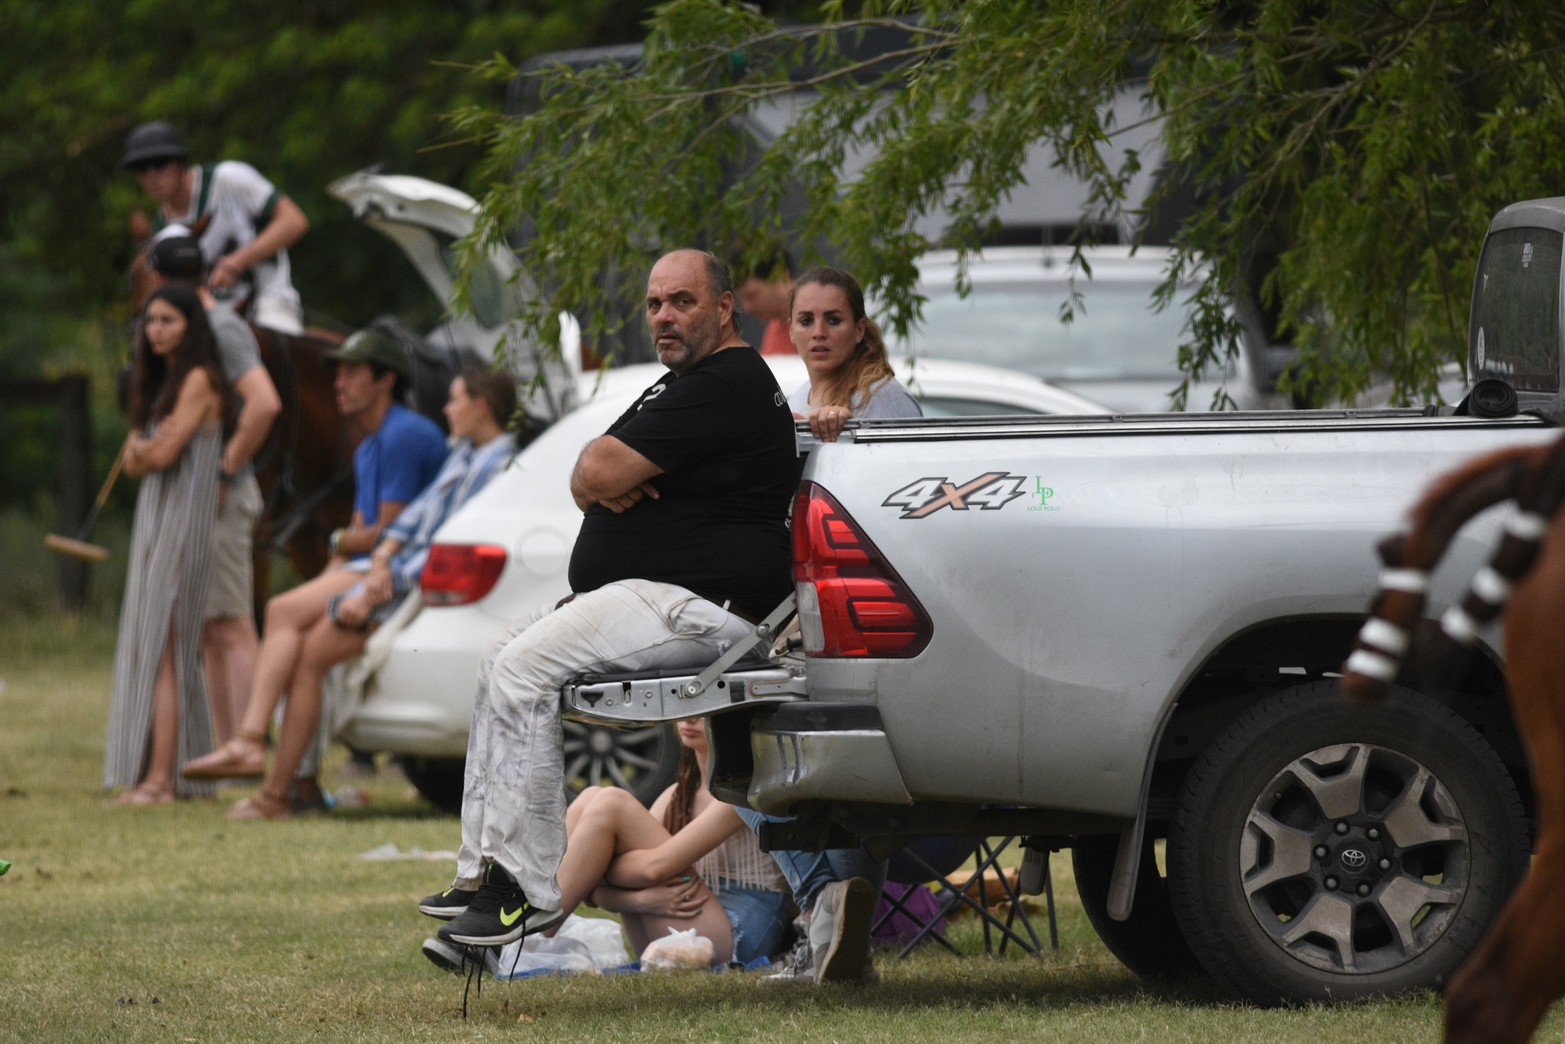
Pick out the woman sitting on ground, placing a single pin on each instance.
(688, 862)
(850, 373)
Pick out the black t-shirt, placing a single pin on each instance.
(723, 435)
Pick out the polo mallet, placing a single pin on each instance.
(78, 547)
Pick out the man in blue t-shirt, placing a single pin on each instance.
(402, 451)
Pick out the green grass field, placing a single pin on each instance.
(173, 924)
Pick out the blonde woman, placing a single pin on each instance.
(850, 374)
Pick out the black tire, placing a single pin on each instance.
(1323, 850)
(642, 760)
(1150, 942)
(439, 780)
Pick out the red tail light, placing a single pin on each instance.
(851, 602)
(456, 574)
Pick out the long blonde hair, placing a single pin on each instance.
(869, 366)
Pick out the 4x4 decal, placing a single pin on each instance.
(990, 491)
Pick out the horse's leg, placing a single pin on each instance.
(1507, 986)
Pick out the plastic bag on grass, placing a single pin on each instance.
(678, 949)
(581, 945)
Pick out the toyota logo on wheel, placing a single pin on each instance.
(1354, 859)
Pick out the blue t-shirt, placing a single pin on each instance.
(396, 462)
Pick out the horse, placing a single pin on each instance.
(1507, 985)
(305, 467)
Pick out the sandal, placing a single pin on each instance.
(262, 806)
(242, 757)
(144, 794)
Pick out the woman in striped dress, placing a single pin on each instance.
(179, 407)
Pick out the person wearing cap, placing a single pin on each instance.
(245, 224)
(229, 641)
(402, 450)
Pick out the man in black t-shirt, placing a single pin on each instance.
(683, 542)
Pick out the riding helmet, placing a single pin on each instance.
(155, 140)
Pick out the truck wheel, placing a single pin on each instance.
(1323, 850)
(1149, 943)
(644, 761)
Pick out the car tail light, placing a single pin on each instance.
(456, 574)
(851, 602)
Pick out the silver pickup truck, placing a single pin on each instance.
(1099, 633)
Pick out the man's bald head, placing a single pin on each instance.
(690, 307)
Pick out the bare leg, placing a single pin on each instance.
(323, 647)
(214, 664)
(610, 823)
(229, 645)
(289, 616)
(157, 784)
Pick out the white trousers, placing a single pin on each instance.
(513, 795)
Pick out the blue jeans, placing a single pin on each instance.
(759, 917)
(809, 872)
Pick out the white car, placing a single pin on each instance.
(506, 551)
(1117, 349)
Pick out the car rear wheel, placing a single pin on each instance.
(642, 760)
(1149, 942)
(1323, 850)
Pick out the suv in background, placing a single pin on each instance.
(1118, 349)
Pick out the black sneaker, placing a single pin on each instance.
(448, 904)
(498, 914)
(458, 959)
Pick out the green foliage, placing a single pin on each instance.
(1338, 160)
(306, 92)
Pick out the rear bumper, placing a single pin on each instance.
(822, 751)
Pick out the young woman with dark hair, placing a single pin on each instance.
(179, 408)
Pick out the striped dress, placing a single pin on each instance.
(165, 588)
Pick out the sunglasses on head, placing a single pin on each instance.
(142, 166)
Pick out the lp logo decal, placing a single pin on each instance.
(989, 491)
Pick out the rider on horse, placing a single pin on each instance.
(245, 225)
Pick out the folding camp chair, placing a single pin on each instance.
(938, 860)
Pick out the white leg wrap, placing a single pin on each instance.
(1459, 625)
(1383, 634)
(1491, 586)
(1413, 581)
(1527, 525)
(1372, 664)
